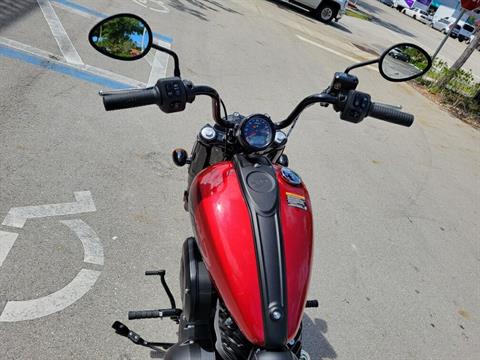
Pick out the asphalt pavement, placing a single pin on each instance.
(89, 200)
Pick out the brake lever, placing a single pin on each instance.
(113, 92)
(326, 91)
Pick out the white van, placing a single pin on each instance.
(462, 31)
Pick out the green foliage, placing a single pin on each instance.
(358, 14)
(416, 57)
(115, 36)
(459, 92)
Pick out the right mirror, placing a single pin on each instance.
(404, 62)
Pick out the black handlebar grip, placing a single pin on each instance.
(387, 113)
(132, 98)
(143, 314)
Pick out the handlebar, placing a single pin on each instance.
(131, 98)
(387, 113)
(172, 94)
(305, 103)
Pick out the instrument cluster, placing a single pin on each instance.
(256, 132)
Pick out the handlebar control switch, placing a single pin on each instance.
(356, 106)
(174, 94)
(342, 82)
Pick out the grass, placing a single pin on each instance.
(358, 14)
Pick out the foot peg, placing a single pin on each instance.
(311, 304)
(123, 330)
(151, 314)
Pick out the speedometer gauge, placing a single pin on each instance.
(256, 132)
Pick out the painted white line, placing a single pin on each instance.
(148, 60)
(159, 65)
(327, 49)
(355, 60)
(59, 300)
(6, 242)
(54, 59)
(17, 216)
(64, 43)
(92, 247)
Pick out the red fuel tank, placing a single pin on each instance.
(226, 240)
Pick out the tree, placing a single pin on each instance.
(475, 43)
(120, 36)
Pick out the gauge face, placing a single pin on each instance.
(257, 132)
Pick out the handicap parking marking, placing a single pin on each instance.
(17, 216)
(29, 54)
(7, 239)
(52, 303)
(160, 60)
(19, 51)
(85, 278)
(92, 13)
(92, 247)
(159, 6)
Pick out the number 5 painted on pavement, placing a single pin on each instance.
(159, 5)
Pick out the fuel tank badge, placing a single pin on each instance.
(290, 176)
(296, 200)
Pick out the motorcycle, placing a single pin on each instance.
(244, 276)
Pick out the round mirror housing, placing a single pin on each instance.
(122, 37)
(403, 62)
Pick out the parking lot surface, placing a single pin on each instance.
(89, 200)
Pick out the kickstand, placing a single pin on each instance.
(123, 330)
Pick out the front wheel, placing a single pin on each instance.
(325, 13)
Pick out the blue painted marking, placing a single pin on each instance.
(162, 37)
(81, 8)
(60, 68)
(96, 13)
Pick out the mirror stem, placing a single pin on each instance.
(360, 64)
(176, 70)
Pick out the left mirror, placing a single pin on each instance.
(122, 37)
(404, 62)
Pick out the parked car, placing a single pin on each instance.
(442, 24)
(324, 10)
(397, 54)
(387, 2)
(418, 14)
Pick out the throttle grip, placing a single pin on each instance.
(390, 114)
(131, 98)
